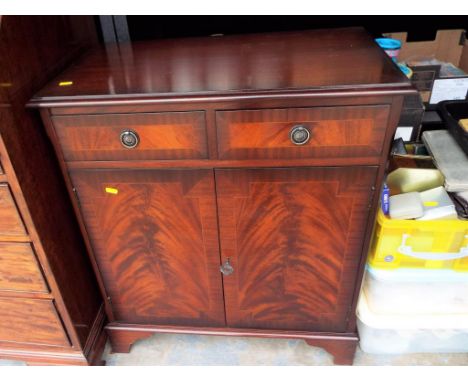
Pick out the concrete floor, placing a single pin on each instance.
(183, 350)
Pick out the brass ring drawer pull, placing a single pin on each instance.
(299, 135)
(129, 139)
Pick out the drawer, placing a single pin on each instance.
(178, 135)
(19, 269)
(333, 132)
(10, 219)
(31, 321)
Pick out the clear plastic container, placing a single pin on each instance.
(400, 334)
(416, 291)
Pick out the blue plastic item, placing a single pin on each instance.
(385, 200)
(390, 45)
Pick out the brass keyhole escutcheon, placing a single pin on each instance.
(226, 269)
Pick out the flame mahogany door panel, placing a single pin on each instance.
(294, 238)
(155, 237)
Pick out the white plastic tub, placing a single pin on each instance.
(398, 334)
(416, 291)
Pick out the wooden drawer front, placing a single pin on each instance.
(31, 321)
(351, 131)
(161, 136)
(10, 219)
(19, 269)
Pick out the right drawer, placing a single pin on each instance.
(300, 133)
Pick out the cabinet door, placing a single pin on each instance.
(294, 238)
(154, 235)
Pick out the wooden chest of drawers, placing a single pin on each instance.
(51, 311)
(228, 185)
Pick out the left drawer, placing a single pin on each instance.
(19, 269)
(139, 136)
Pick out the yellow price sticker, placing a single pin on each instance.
(431, 204)
(112, 190)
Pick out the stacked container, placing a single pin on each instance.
(415, 291)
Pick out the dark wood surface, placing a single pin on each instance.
(294, 238)
(343, 351)
(341, 346)
(335, 132)
(155, 239)
(161, 135)
(59, 323)
(19, 269)
(31, 321)
(11, 223)
(294, 221)
(344, 59)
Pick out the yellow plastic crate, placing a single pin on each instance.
(437, 244)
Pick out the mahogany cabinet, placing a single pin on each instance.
(227, 185)
(51, 311)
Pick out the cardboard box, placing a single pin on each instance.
(448, 46)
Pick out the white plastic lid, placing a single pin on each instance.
(409, 321)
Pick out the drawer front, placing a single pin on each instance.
(160, 136)
(19, 269)
(334, 132)
(31, 321)
(10, 219)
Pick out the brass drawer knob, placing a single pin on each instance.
(299, 135)
(129, 139)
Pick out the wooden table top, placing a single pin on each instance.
(340, 60)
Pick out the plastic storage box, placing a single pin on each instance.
(438, 244)
(397, 334)
(451, 112)
(416, 291)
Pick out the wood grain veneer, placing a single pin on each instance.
(335, 132)
(51, 311)
(294, 222)
(161, 135)
(31, 321)
(294, 238)
(338, 59)
(156, 243)
(19, 269)
(10, 223)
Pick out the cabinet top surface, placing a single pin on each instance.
(320, 60)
